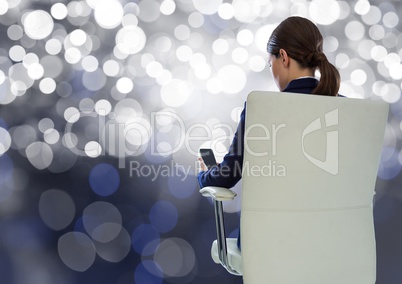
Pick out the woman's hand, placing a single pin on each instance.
(201, 164)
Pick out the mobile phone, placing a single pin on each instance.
(209, 158)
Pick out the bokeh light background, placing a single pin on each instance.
(104, 104)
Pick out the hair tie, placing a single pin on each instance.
(315, 58)
(320, 56)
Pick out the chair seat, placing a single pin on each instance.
(234, 254)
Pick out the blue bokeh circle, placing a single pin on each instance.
(163, 216)
(104, 179)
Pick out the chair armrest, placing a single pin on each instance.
(218, 193)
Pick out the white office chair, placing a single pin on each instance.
(309, 171)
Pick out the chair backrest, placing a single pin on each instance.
(309, 174)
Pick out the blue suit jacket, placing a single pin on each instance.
(228, 173)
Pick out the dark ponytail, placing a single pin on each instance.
(303, 42)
